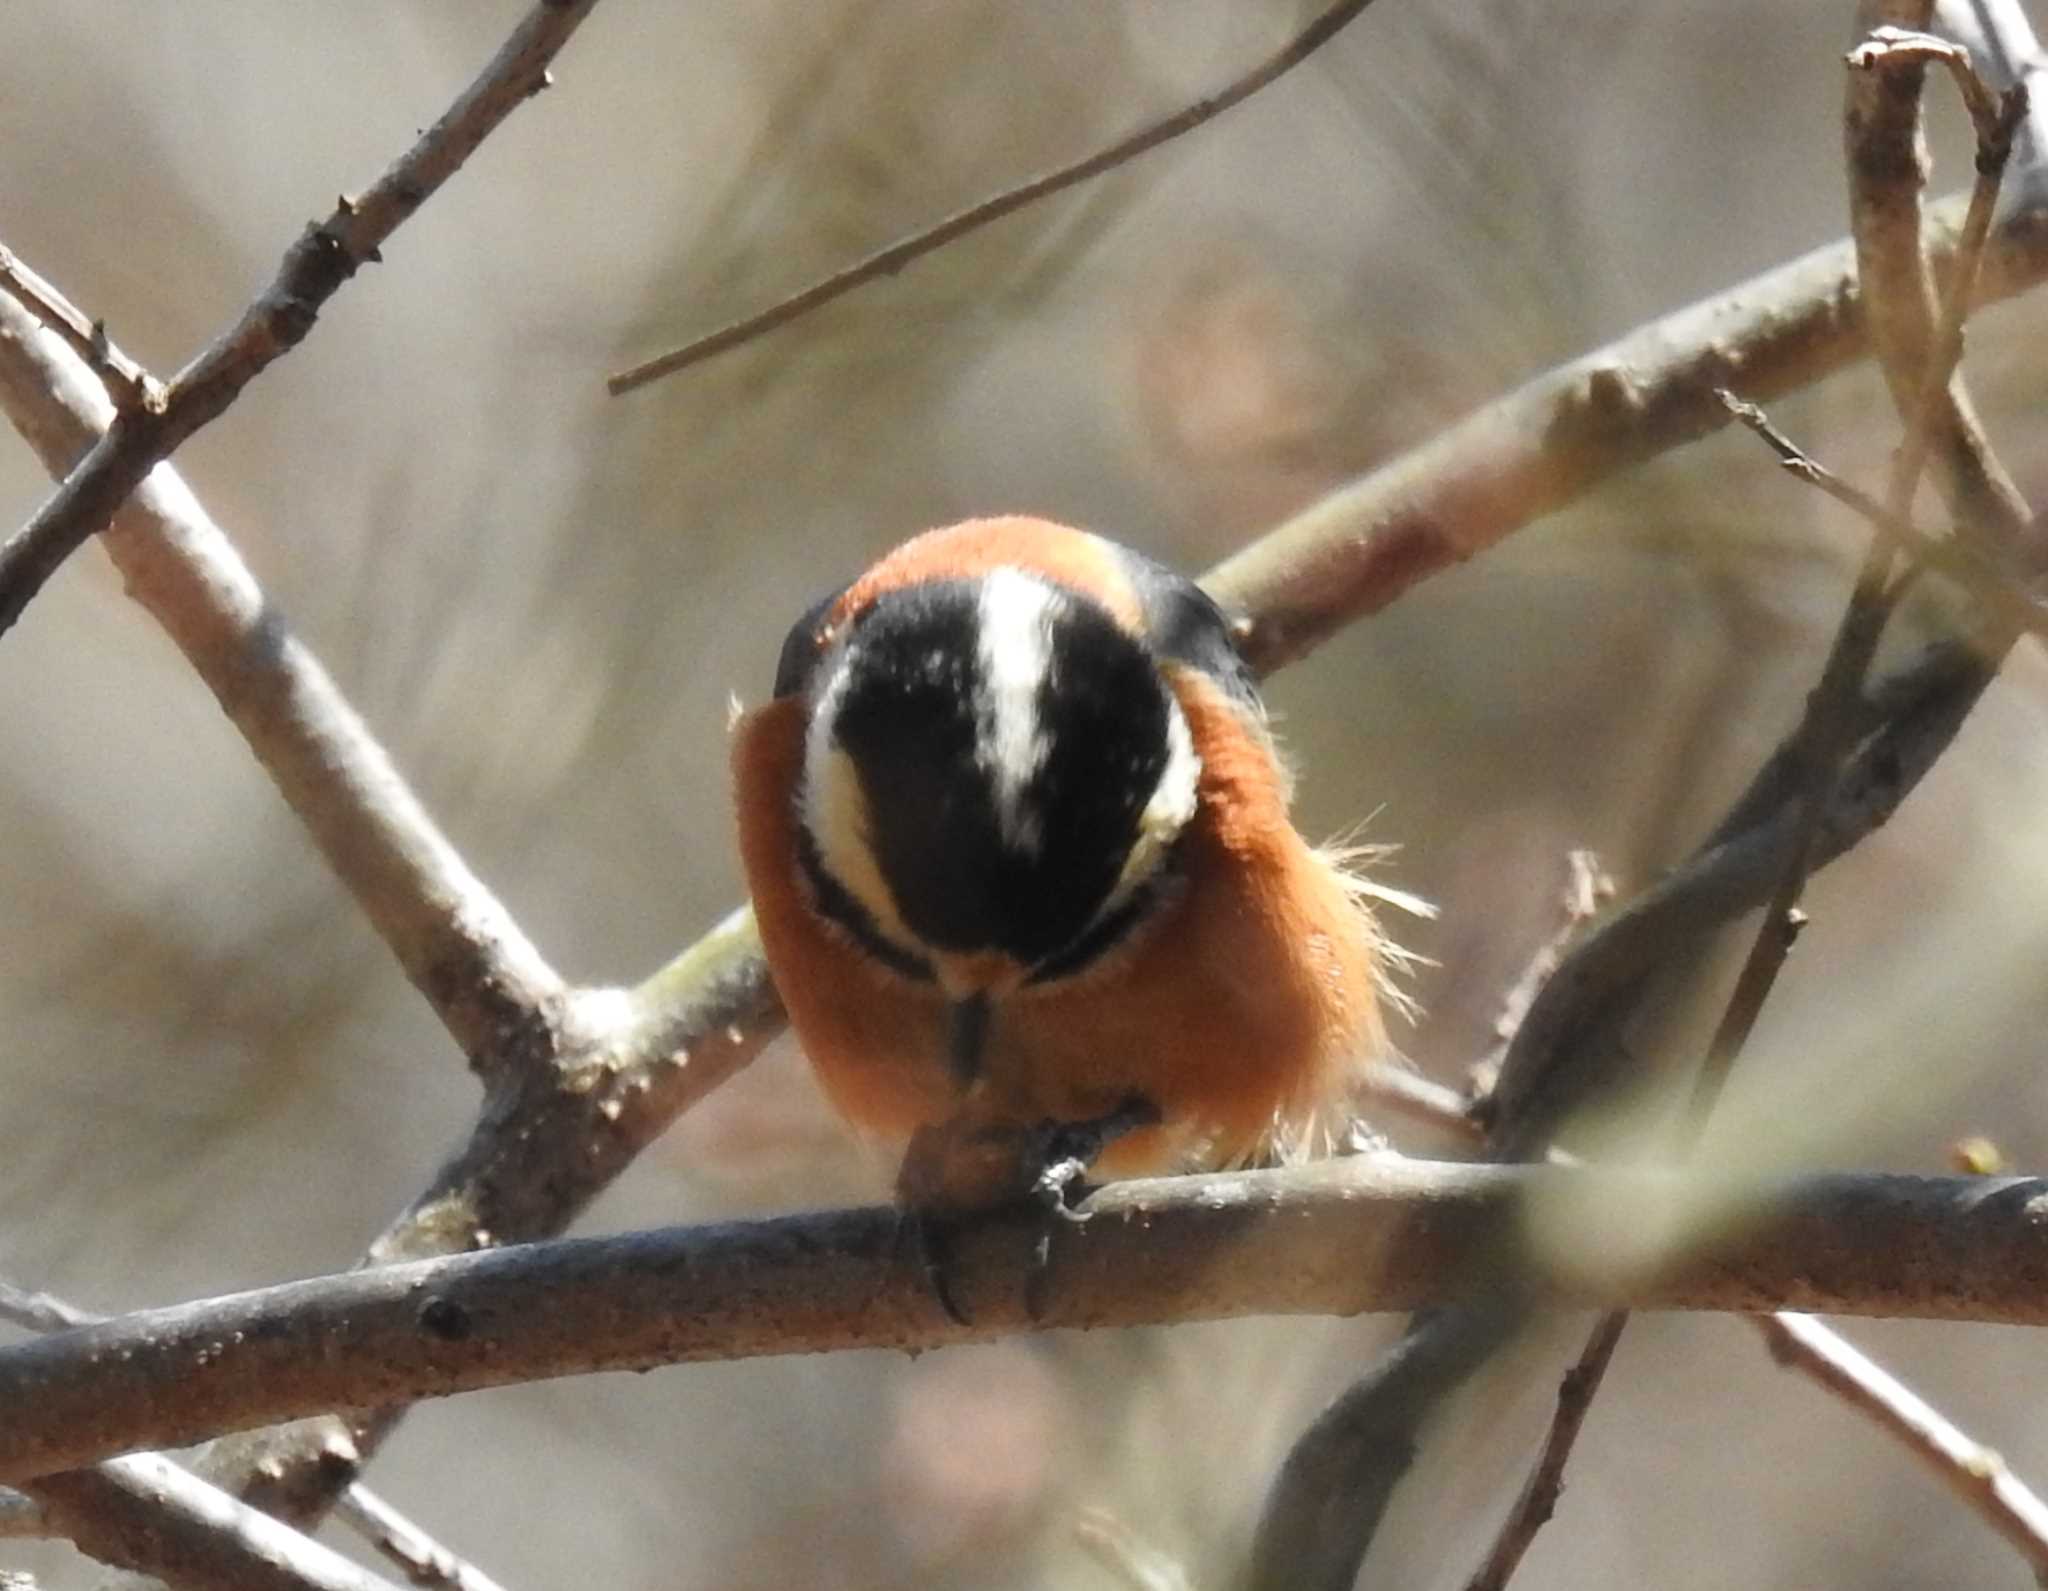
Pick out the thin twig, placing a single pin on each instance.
(1974, 1472)
(1545, 1482)
(1992, 114)
(1886, 162)
(1587, 888)
(313, 270)
(1999, 35)
(528, 1166)
(1797, 462)
(1997, 118)
(133, 386)
(425, 1561)
(41, 1311)
(1824, 739)
(2000, 590)
(1829, 729)
(1134, 1561)
(1810, 1346)
(1393, 1090)
(888, 261)
(1822, 743)
(146, 1513)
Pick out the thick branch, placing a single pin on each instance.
(1556, 438)
(461, 948)
(1792, 326)
(549, 1140)
(1341, 1237)
(148, 1513)
(313, 271)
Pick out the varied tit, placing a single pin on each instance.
(1019, 849)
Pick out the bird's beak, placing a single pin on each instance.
(967, 1036)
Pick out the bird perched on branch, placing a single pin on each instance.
(1020, 853)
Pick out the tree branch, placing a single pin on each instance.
(149, 1513)
(1816, 1350)
(1567, 431)
(1974, 1472)
(1339, 1237)
(1349, 555)
(457, 944)
(1325, 1505)
(145, 1512)
(904, 251)
(1545, 1482)
(313, 270)
(425, 1561)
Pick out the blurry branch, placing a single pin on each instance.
(2000, 38)
(1975, 1473)
(314, 268)
(1538, 1498)
(147, 1512)
(41, 1311)
(1567, 431)
(425, 1561)
(1802, 1343)
(575, 1096)
(579, 1081)
(1339, 1237)
(1843, 771)
(888, 261)
(1887, 166)
(133, 386)
(1587, 888)
(459, 947)
(1135, 1563)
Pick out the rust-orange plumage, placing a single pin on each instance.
(1019, 848)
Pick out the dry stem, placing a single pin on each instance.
(888, 261)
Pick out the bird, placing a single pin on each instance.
(1018, 842)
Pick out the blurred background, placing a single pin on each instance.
(542, 599)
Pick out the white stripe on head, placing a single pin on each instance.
(1016, 615)
(835, 809)
(1166, 811)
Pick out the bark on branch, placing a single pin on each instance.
(1345, 1237)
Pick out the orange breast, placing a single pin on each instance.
(1241, 1007)
(874, 1039)
(1244, 1003)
